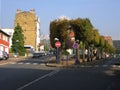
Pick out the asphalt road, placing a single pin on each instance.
(27, 75)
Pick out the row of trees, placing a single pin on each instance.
(84, 32)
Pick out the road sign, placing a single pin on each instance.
(58, 44)
(75, 45)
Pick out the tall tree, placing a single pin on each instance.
(18, 41)
(58, 29)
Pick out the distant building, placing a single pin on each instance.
(108, 39)
(116, 44)
(30, 24)
(4, 41)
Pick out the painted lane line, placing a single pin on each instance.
(104, 65)
(38, 79)
(54, 72)
(96, 66)
(13, 63)
(27, 63)
(42, 64)
(35, 63)
(20, 63)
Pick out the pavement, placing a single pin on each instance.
(112, 62)
(12, 59)
(70, 64)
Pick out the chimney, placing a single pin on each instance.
(19, 11)
(32, 11)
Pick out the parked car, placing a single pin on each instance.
(37, 55)
(4, 55)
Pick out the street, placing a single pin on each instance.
(34, 75)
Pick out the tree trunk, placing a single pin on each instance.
(83, 51)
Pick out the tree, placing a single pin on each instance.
(18, 41)
(83, 29)
(58, 29)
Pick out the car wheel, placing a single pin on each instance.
(4, 58)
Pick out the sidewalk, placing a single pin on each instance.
(71, 64)
(12, 59)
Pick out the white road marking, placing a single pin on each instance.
(27, 63)
(104, 65)
(20, 63)
(38, 79)
(13, 63)
(96, 66)
(35, 63)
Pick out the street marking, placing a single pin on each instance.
(113, 65)
(20, 63)
(38, 79)
(42, 64)
(13, 63)
(96, 66)
(104, 65)
(35, 63)
(54, 72)
(27, 63)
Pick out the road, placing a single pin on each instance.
(33, 75)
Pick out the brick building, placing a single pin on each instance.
(30, 24)
(4, 41)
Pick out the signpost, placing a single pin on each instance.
(57, 44)
(75, 46)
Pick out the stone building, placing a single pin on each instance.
(30, 24)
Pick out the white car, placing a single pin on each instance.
(3, 55)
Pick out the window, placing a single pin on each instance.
(0, 35)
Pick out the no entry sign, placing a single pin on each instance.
(58, 44)
(75, 45)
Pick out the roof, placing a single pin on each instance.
(4, 33)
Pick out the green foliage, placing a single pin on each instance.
(64, 52)
(18, 41)
(102, 41)
(83, 30)
(96, 37)
(108, 48)
(58, 29)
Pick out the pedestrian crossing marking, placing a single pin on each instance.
(81, 66)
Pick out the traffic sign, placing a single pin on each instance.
(58, 44)
(75, 45)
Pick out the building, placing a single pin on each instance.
(116, 44)
(108, 39)
(30, 24)
(4, 41)
(10, 32)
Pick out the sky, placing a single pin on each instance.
(103, 14)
